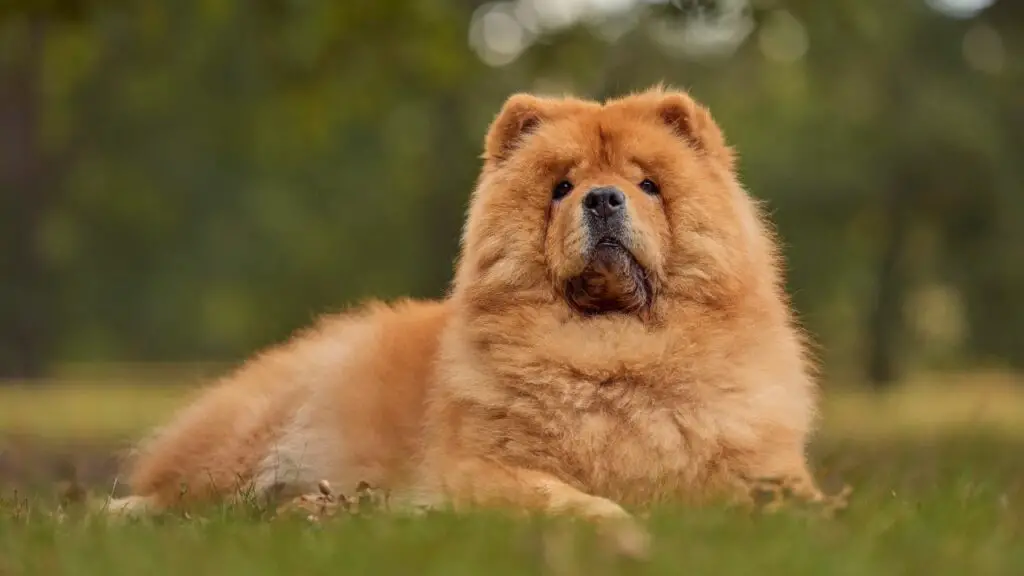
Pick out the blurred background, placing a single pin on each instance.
(182, 183)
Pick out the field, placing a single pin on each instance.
(936, 467)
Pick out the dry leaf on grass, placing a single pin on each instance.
(326, 503)
(772, 494)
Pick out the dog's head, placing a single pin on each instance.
(608, 208)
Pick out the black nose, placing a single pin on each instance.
(605, 201)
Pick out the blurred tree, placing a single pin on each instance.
(192, 180)
(27, 179)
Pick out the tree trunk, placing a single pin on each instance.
(886, 319)
(25, 328)
(450, 184)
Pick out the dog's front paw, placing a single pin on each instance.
(621, 530)
(629, 539)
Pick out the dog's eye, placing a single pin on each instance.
(650, 187)
(561, 190)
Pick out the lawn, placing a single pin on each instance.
(937, 469)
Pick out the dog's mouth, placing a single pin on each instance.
(613, 281)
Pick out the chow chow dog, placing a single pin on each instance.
(616, 335)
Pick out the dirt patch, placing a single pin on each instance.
(34, 464)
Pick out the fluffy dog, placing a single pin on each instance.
(616, 335)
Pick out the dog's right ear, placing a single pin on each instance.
(521, 114)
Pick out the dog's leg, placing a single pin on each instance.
(479, 482)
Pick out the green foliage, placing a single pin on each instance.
(209, 174)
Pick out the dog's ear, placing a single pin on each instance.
(692, 122)
(521, 114)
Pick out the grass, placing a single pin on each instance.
(937, 469)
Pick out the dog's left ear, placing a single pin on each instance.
(693, 122)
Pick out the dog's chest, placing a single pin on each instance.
(623, 442)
